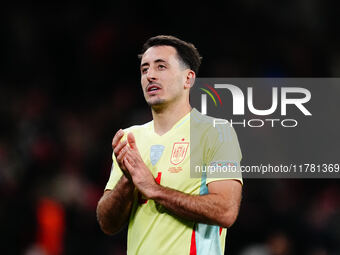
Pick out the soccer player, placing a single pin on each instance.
(150, 186)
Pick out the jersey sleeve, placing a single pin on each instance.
(223, 155)
(115, 175)
(116, 172)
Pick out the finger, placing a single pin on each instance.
(117, 138)
(132, 141)
(122, 153)
(127, 164)
(119, 147)
(130, 157)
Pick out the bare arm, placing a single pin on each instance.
(114, 207)
(219, 207)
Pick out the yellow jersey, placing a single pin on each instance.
(171, 158)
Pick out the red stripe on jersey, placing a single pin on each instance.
(140, 199)
(220, 230)
(158, 178)
(193, 243)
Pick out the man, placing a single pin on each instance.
(150, 187)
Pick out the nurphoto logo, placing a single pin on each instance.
(281, 97)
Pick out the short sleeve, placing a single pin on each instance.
(115, 174)
(223, 155)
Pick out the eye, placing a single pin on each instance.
(161, 67)
(144, 70)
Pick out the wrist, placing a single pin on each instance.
(155, 191)
(127, 181)
(126, 175)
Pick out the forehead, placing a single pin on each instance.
(164, 52)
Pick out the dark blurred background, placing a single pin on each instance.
(69, 79)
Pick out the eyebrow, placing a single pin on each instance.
(156, 61)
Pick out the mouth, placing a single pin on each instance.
(152, 89)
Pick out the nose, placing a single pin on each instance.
(151, 75)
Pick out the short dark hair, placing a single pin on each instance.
(186, 52)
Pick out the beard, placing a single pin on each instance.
(157, 104)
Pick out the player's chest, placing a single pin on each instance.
(169, 163)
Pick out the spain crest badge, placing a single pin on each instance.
(179, 151)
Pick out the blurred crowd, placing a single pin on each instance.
(70, 79)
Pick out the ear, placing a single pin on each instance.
(190, 79)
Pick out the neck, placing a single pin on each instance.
(165, 118)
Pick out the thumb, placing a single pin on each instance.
(132, 141)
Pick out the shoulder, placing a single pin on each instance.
(138, 129)
(211, 126)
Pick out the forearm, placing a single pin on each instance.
(210, 208)
(219, 207)
(114, 207)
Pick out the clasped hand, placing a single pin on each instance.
(132, 164)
